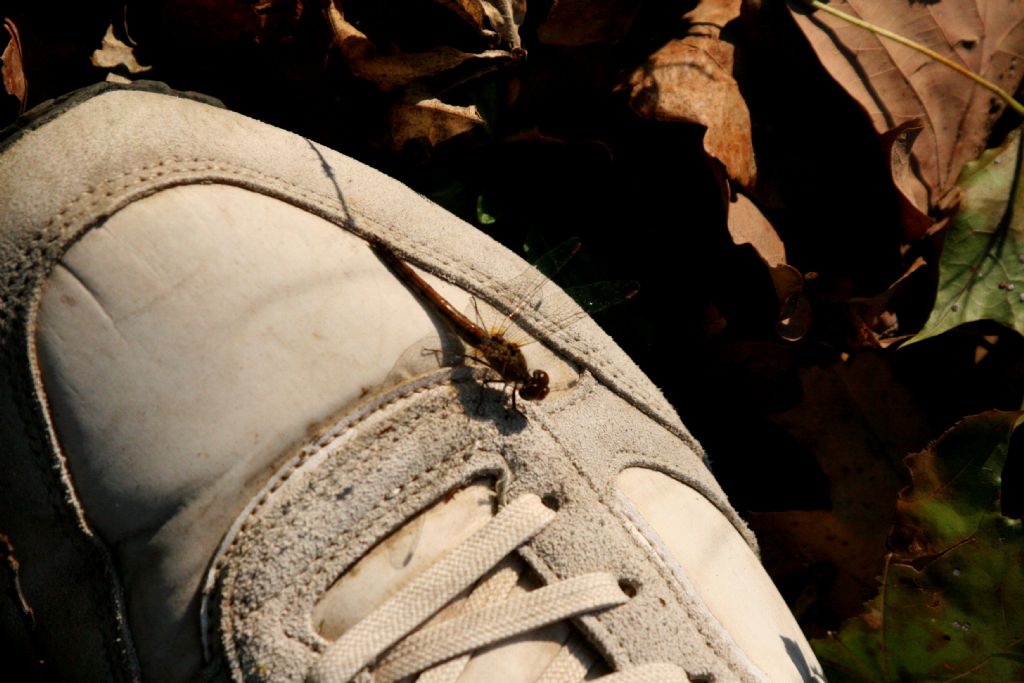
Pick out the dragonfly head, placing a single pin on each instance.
(535, 388)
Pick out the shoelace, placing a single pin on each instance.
(441, 649)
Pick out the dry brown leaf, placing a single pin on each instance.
(470, 11)
(895, 84)
(747, 225)
(858, 421)
(114, 53)
(506, 16)
(389, 72)
(715, 13)
(432, 121)
(587, 22)
(690, 80)
(13, 69)
(796, 313)
(897, 144)
(498, 20)
(796, 542)
(875, 312)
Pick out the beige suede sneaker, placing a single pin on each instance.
(238, 445)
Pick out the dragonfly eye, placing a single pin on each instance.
(536, 388)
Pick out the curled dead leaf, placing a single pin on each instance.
(747, 225)
(897, 144)
(714, 13)
(796, 314)
(689, 80)
(431, 120)
(13, 69)
(389, 72)
(876, 312)
(496, 20)
(470, 11)
(114, 53)
(506, 16)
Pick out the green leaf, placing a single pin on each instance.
(483, 217)
(981, 271)
(951, 604)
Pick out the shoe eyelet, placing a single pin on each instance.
(631, 587)
(551, 501)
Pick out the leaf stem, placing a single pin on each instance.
(885, 33)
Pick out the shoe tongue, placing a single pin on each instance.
(418, 544)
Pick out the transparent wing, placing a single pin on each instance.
(601, 295)
(527, 288)
(528, 291)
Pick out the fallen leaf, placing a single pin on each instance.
(981, 269)
(573, 23)
(747, 225)
(115, 53)
(505, 17)
(896, 84)
(858, 421)
(897, 144)
(876, 312)
(951, 605)
(470, 11)
(431, 120)
(13, 70)
(392, 71)
(714, 13)
(796, 314)
(689, 80)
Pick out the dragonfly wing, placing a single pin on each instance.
(527, 290)
(601, 295)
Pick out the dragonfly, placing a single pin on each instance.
(494, 348)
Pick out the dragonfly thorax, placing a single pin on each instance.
(505, 358)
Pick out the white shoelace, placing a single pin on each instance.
(440, 650)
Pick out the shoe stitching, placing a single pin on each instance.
(615, 513)
(368, 535)
(584, 388)
(62, 502)
(675, 585)
(337, 433)
(402, 492)
(404, 618)
(227, 580)
(42, 241)
(29, 403)
(366, 531)
(327, 208)
(648, 462)
(244, 520)
(526, 551)
(142, 175)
